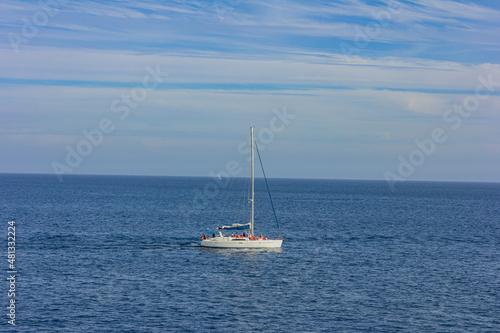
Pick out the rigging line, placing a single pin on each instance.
(225, 202)
(267, 185)
(244, 212)
(236, 216)
(227, 196)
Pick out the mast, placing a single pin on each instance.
(252, 172)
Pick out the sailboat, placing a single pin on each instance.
(247, 240)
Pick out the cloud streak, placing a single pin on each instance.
(228, 73)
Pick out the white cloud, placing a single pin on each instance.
(118, 67)
(361, 112)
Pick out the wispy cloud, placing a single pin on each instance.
(226, 73)
(114, 68)
(262, 23)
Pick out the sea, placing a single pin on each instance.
(121, 254)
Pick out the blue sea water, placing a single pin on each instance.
(121, 254)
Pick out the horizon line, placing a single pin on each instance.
(278, 178)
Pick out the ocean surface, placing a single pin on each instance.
(121, 254)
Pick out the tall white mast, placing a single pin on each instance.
(251, 167)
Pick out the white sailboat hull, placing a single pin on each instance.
(241, 243)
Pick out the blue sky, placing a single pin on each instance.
(364, 80)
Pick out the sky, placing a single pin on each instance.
(394, 90)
